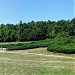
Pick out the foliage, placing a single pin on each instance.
(39, 30)
(60, 35)
(22, 46)
(63, 45)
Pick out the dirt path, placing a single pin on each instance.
(50, 55)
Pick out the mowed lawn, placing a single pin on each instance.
(36, 62)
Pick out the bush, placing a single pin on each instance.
(69, 48)
(61, 45)
(22, 46)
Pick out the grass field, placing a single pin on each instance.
(36, 62)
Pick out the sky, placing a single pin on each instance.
(12, 11)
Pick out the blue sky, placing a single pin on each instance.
(12, 11)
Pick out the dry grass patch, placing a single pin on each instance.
(34, 64)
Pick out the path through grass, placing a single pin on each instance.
(39, 62)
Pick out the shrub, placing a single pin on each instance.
(35, 44)
(61, 45)
(69, 48)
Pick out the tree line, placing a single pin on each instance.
(33, 31)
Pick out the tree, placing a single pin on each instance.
(21, 30)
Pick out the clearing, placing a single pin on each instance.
(36, 61)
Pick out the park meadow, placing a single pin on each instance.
(38, 48)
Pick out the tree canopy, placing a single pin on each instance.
(39, 30)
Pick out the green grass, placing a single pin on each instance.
(32, 64)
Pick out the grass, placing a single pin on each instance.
(33, 64)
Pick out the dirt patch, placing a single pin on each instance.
(39, 54)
